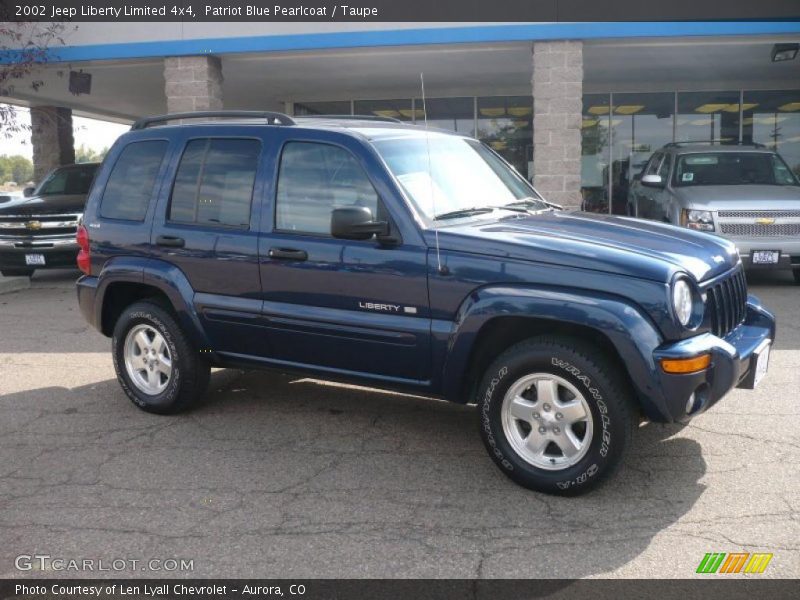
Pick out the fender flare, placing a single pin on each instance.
(630, 331)
(165, 277)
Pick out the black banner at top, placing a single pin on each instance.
(398, 10)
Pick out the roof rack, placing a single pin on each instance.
(271, 118)
(712, 143)
(352, 118)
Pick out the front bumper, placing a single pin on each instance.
(731, 364)
(789, 248)
(58, 253)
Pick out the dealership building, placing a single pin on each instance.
(576, 107)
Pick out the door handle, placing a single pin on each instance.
(288, 254)
(171, 241)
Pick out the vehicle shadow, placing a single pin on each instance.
(315, 480)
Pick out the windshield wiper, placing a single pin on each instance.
(527, 203)
(464, 212)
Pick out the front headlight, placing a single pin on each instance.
(699, 220)
(682, 301)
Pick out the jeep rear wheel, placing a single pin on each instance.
(555, 415)
(155, 364)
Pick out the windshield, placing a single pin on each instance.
(451, 177)
(69, 181)
(732, 168)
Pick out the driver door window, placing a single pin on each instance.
(314, 179)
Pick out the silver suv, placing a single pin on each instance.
(745, 193)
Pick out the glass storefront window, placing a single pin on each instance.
(640, 125)
(772, 118)
(453, 114)
(322, 108)
(505, 123)
(594, 152)
(708, 117)
(396, 109)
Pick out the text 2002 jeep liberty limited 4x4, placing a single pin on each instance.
(382, 254)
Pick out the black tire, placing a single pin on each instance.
(190, 372)
(796, 273)
(605, 390)
(17, 272)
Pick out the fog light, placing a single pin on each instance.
(690, 404)
(686, 365)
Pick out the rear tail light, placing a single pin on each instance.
(84, 260)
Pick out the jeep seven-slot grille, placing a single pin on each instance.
(726, 303)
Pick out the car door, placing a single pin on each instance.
(357, 307)
(203, 228)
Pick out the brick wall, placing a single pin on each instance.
(557, 106)
(193, 83)
(51, 138)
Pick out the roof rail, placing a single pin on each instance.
(712, 143)
(271, 118)
(352, 118)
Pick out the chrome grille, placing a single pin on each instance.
(726, 302)
(757, 214)
(754, 230)
(33, 227)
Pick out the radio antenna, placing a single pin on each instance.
(442, 270)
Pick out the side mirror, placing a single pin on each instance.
(28, 192)
(652, 181)
(355, 223)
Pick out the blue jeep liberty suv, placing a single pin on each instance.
(379, 253)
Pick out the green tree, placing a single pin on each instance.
(84, 154)
(15, 168)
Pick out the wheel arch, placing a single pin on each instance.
(125, 281)
(493, 319)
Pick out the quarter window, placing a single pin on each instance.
(663, 170)
(652, 166)
(214, 183)
(130, 185)
(313, 180)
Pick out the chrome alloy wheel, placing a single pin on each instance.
(147, 359)
(547, 421)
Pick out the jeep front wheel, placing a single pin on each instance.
(154, 361)
(555, 415)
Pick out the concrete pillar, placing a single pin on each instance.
(557, 106)
(51, 138)
(193, 83)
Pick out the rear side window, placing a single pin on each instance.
(313, 180)
(130, 185)
(214, 183)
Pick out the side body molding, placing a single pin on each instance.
(632, 333)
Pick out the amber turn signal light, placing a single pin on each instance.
(686, 365)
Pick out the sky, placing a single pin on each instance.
(92, 133)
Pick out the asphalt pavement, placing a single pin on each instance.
(280, 476)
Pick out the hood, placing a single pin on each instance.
(618, 245)
(43, 205)
(740, 197)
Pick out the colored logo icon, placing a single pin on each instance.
(734, 562)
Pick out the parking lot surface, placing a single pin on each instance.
(280, 476)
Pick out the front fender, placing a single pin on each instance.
(626, 326)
